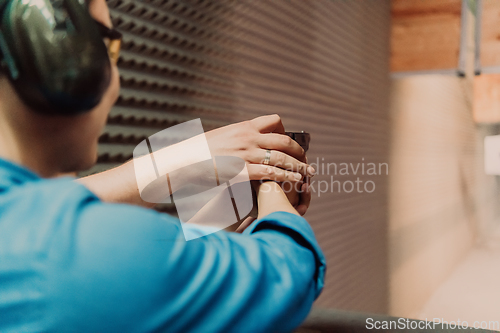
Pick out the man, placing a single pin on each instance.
(69, 261)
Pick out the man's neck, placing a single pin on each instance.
(24, 148)
(12, 151)
(47, 145)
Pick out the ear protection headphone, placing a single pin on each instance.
(54, 55)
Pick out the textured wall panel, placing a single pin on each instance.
(322, 65)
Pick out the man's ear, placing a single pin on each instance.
(100, 11)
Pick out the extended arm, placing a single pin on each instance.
(132, 270)
(247, 140)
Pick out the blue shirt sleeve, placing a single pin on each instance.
(120, 268)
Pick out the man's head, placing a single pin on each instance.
(51, 144)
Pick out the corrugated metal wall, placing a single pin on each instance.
(322, 65)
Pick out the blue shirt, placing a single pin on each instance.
(71, 263)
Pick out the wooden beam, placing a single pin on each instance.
(425, 35)
(490, 34)
(487, 98)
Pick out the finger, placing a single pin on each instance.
(268, 172)
(305, 195)
(283, 143)
(305, 199)
(283, 161)
(269, 124)
(302, 210)
(245, 224)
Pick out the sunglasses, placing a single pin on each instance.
(115, 41)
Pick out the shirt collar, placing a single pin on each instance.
(14, 174)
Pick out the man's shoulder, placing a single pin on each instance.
(45, 194)
(51, 208)
(59, 196)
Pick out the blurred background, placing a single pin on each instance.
(398, 97)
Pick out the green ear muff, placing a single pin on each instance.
(54, 55)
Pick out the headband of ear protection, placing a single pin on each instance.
(54, 55)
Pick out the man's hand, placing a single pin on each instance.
(304, 199)
(301, 199)
(249, 140)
